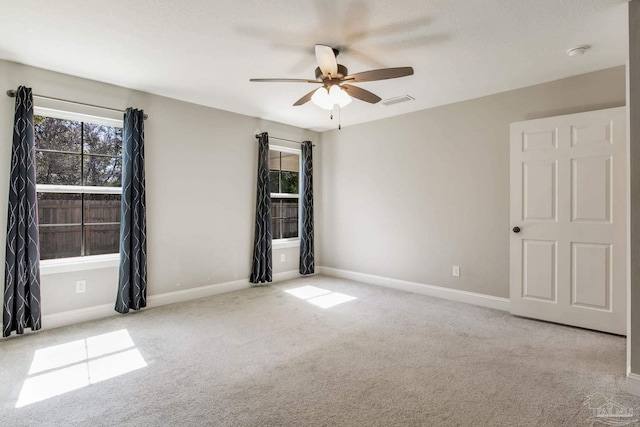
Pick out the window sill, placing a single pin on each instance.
(66, 265)
(285, 243)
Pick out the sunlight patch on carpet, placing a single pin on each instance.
(320, 297)
(66, 367)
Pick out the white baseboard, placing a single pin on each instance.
(64, 318)
(71, 317)
(210, 290)
(196, 293)
(633, 384)
(420, 288)
(286, 275)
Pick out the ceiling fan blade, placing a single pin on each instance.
(305, 98)
(361, 94)
(285, 80)
(382, 74)
(326, 60)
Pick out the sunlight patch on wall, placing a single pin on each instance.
(320, 297)
(66, 367)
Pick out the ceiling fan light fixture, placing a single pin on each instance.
(321, 99)
(339, 96)
(327, 99)
(337, 88)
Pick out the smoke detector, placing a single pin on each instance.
(577, 51)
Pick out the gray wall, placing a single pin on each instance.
(200, 188)
(410, 196)
(405, 197)
(634, 160)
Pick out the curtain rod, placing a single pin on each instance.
(12, 93)
(284, 139)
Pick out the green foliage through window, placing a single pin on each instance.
(77, 153)
(73, 153)
(284, 178)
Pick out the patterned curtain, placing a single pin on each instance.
(22, 261)
(132, 282)
(261, 268)
(306, 233)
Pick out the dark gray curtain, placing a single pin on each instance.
(306, 199)
(22, 261)
(261, 268)
(132, 282)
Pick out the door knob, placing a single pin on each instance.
(516, 229)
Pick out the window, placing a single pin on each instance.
(284, 171)
(78, 177)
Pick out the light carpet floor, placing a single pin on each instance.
(263, 357)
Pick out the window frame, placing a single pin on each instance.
(288, 242)
(82, 262)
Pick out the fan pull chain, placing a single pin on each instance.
(339, 117)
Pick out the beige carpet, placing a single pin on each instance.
(264, 357)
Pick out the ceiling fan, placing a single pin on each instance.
(335, 81)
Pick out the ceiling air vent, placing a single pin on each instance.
(398, 100)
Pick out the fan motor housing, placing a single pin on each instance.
(342, 71)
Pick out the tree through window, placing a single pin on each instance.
(284, 171)
(78, 176)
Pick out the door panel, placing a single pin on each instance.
(539, 270)
(591, 275)
(591, 189)
(591, 134)
(540, 140)
(539, 186)
(568, 196)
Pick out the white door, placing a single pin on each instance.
(569, 219)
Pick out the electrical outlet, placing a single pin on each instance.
(282, 258)
(81, 286)
(456, 271)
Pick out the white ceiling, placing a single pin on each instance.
(205, 51)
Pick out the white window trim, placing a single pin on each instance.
(81, 263)
(80, 117)
(79, 189)
(285, 196)
(284, 149)
(294, 241)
